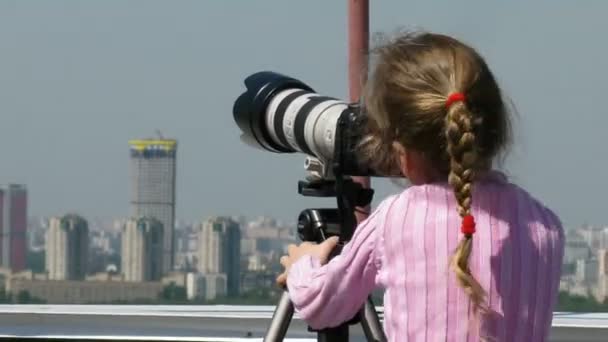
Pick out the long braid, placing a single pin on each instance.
(462, 151)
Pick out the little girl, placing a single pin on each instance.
(464, 255)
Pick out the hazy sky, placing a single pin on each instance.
(79, 79)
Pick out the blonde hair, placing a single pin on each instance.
(405, 101)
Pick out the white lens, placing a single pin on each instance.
(271, 113)
(320, 129)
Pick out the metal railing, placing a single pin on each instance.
(204, 323)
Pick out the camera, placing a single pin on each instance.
(283, 115)
(280, 114)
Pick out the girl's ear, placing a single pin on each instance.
(413, 165)
(403, 159)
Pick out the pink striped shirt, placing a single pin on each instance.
(405, 246)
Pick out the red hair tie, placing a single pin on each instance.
(454, 97)
(468, 225)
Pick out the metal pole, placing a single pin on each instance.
(358, 50)
(358, 47)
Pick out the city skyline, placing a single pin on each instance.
(82, 265)
(218, 257)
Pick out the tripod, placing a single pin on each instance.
(315, 225)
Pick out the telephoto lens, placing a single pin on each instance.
(285, 115)
(280, 114)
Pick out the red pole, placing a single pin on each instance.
(358, 47)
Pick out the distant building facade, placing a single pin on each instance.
(220, 251)
(602, 288)
(142, 246)
(206, 286)
(67, 247)
(254, 280)
(13, 227)
(84, 292)
(152, 178)
(100, 288)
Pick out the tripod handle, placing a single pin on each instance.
(283, 313)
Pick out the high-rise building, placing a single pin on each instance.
(205, 286)
(604, 239)
(586, 271)
(142, 244)
(67, 247)
(602, 276)
(153, 187)
(13, 226)
(220, 251)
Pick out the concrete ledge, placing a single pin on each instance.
(205, 323)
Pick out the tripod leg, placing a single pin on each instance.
(371, 322)
(283, 313)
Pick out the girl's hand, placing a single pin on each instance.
(320, 251)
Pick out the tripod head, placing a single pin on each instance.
(316, 225)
